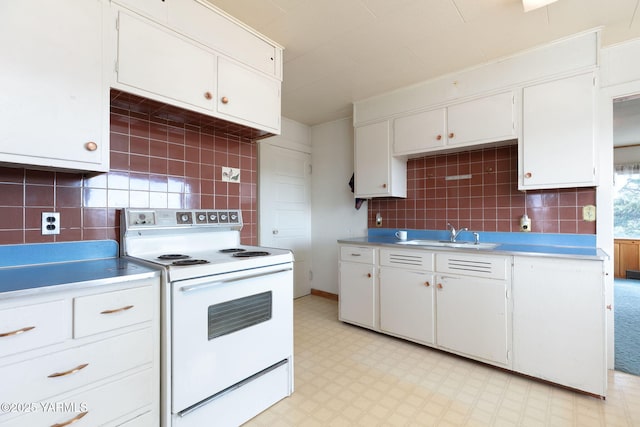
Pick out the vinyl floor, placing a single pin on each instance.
(349, 376)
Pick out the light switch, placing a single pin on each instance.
(589, 213)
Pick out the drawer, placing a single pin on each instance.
(93, 407)
(64, 371)
(488, 266)
(93, 314)
(33, 326)
(362, 254)
(417, 259)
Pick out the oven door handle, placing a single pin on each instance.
(191, 288)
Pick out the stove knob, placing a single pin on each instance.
(213, 217)
(234, 217)
(184, 217)
(202, 217)
(223, 217)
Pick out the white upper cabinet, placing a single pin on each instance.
(199, 59)
(420, 132)
(225, 35)
(153, 59)
(246, 95)
(479, 121)
(153, 9)
(377, 172)
(54, 103)
(557, 148)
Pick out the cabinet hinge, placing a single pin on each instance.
(115, 67)
(508, 354)
(310, 275)
(310, 169)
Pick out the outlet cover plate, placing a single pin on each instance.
(50, 223)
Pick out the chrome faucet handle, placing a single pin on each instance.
(452, 232)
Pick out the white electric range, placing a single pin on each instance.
(227, 314)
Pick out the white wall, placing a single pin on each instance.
(333, 206)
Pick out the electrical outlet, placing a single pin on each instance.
(50, 223)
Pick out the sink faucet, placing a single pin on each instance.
(453, 234)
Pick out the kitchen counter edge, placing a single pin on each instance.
(569, 252)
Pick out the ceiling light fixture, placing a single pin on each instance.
(535, 4)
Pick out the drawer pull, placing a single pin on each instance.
(17, 332)
(117, 310)
(69, 372)
(355, 254)
(72, 420)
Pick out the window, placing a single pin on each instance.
(626, 202)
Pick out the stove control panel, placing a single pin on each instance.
(153, 218)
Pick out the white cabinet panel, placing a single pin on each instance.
(419, 132)
(54, 110)
(559, 322)
(377, 172)
(153, 9)
(358, 294)
(558, 139)
(247, 95)
(222, 34)
(472, 317)
(479, 121)
(487, 119)
(407, 304)
(156, 60)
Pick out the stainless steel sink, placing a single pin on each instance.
(448, 244)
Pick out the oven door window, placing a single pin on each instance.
(232, 316)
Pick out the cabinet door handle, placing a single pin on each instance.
(439, 137)
(452, 135)
(72, 420)
(608, 306)
(439, 285)
(369, 275)
(207, 95)
(91, 146)
(427, 284)
(528, 175)
(224, 100)
(69, 372)
(17, 331)
(117, 310)
(384, 185)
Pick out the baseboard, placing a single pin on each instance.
(324, 294)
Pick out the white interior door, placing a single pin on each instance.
(285, 207)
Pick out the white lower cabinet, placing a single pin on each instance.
(407, 300)
(358, 290)
(100, 368)
(559, 321)
(473, 314)
(473, 317)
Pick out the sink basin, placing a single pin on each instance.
(448, 244)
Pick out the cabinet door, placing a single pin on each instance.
(52, 97)
(407, 304)
(247, 95)
(377, 173)
(482, 120)
(559, 322)
(472, 317)
(557, 147)
(153, 9)
(419, 132)
(163, 65)
(358, 299)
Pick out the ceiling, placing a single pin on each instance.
(341, 51)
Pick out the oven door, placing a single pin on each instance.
(228, 327)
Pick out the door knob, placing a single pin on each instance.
(275, 231)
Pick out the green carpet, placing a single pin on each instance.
(627, 325)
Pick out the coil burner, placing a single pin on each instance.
(183, 262)
(249, 254)
(173, 256)
(232, 250)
